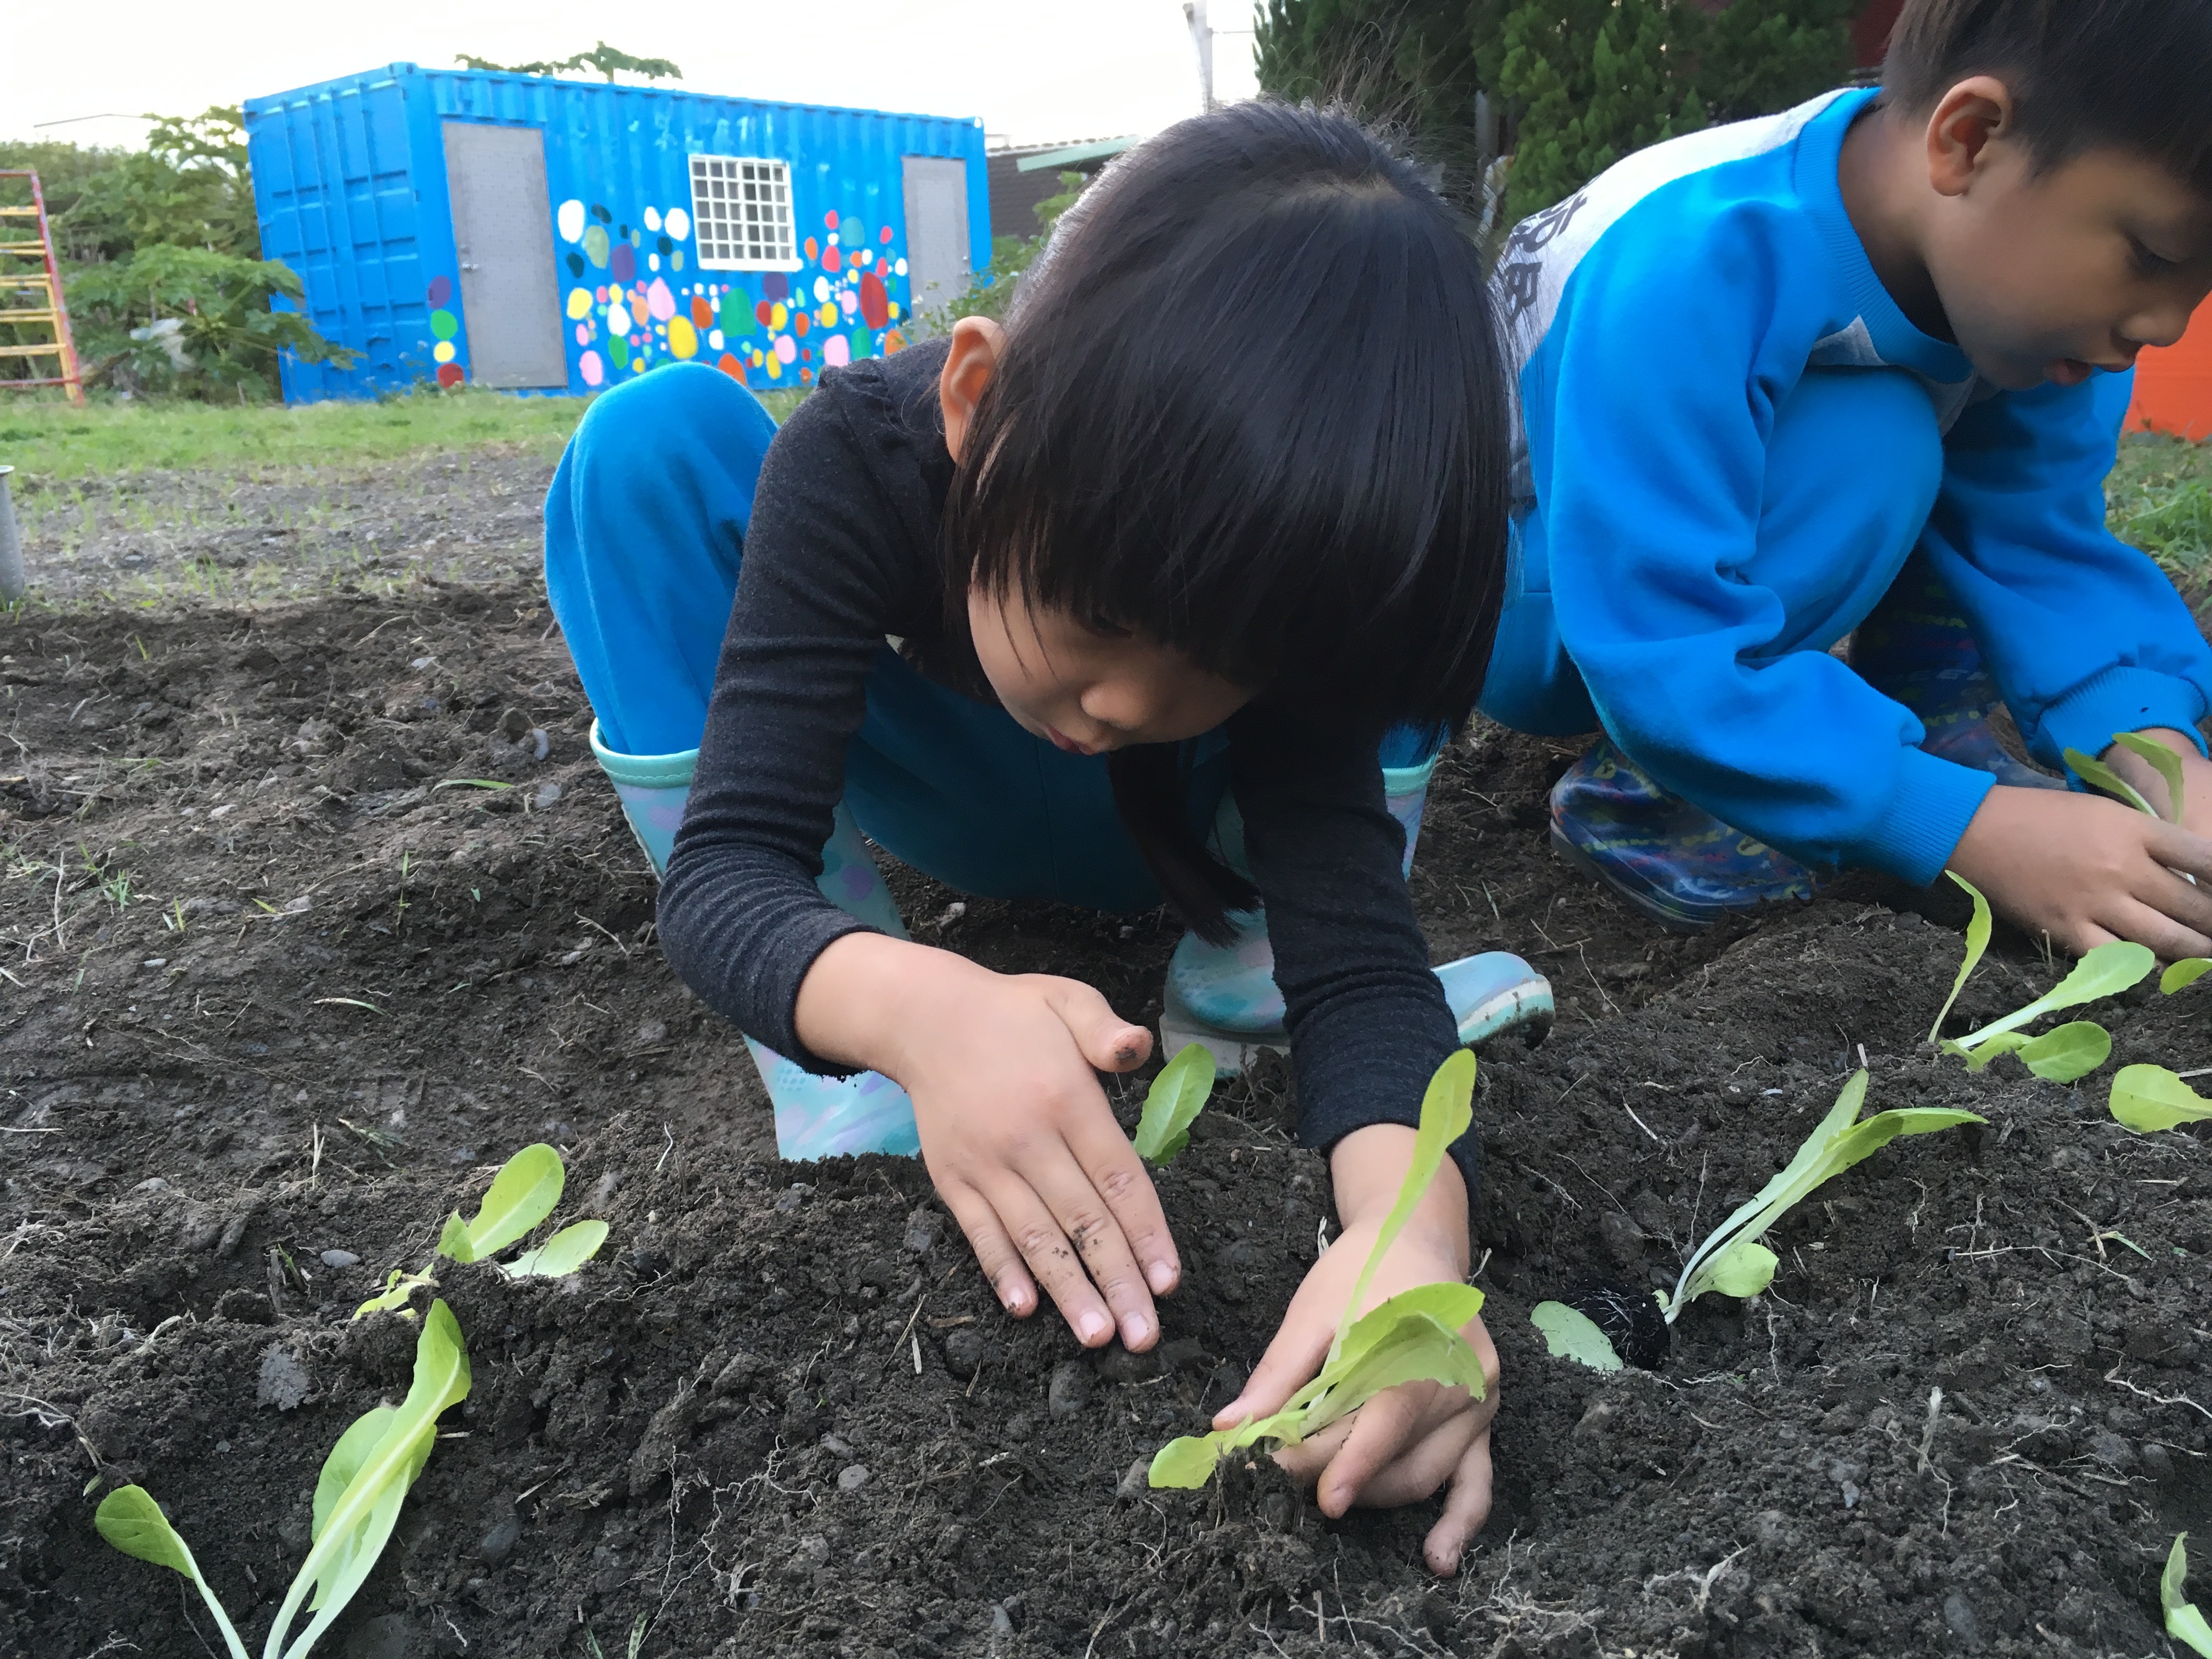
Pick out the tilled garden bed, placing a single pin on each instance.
(278, 1002)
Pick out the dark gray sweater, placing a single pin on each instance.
(842, 551)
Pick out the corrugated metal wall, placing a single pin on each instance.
(350, 179)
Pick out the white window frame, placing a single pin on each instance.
(730, 233)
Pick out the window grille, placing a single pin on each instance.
(741, 214)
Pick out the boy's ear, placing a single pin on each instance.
(1972, 114)
(976, 343)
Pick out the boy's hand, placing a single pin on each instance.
(2085, 870)
(1402, 1445)
(1015, 1130)
(2195, 779)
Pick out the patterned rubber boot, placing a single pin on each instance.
(815, 1117)
(1224, 996)
(1917, 649)
(1676, 863)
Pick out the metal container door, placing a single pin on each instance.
(503, 231)
(936, 230)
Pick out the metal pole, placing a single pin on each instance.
(1201, 36)
(11, 546)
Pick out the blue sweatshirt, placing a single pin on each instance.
(1657, 321)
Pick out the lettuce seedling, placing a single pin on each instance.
(2183, 1621)
(1173, 1102)
(2148, 1098)
(2183, 973)
(2060, 1056)
(522, 1195)
(1414, 1337)
(364, 1481)
(2097, 776)
(1732, 1261)
(1570, 1334)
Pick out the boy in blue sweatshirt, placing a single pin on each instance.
(1856, 371)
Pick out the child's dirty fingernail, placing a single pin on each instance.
(1161, 1277)
(1135, 1329)
(1095, 1327)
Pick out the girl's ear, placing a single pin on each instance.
(976, 341)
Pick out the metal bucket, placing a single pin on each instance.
(11, 546)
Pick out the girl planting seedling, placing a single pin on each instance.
(1170, 589)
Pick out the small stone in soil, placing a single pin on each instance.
(964, 1352)
(1069, 1391)
(1959, 1614)
(852, 1477)
(339, 1261)
(1135, 1480)
(284, 1381)
(549, 794)
(499, 1543)
(1020, 1426)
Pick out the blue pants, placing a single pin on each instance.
(645, 528)
(1850, 487)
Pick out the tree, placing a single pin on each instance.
(1580, 83)
(1406, 64)
(1593, 80)
(1760, 55)
(606, 59)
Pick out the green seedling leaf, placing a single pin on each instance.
(1412, 1337)
(1977, 1060)
(468, 783)
(1447, 1111)
(1570, 1334)
(1742, 1267)
(1172, 1104)
(562, 1254)
(2068, 1053)
(2183, 1621)
(2097, 776)
(2184, 974)
(523, 1193)
(346, 1458)
(1978, 943)
(453, 1243)
(129, 1519)
(1840, 1142)
(369, 1483)
(2148, 1098)
(2104, 972)
(2161, 759)
(397, 1289)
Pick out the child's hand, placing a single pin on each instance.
(2195, 780)
(1402, 1445)
(1015, 1130)
(2086, 870)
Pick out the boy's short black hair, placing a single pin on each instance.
(2084, 74)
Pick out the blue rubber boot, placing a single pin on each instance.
(1676, 863)
(1224, 996)
(1917, 649)
(815, 1117)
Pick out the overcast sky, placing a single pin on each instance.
(1036, 70)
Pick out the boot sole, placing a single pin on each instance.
(1524, 1010)
(1644, 903)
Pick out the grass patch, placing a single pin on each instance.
(51, 442)
(2159, 499)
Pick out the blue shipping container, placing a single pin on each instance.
(535, 234)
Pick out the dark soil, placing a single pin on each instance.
(272, 994)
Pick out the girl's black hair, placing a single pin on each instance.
(1252, 405)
